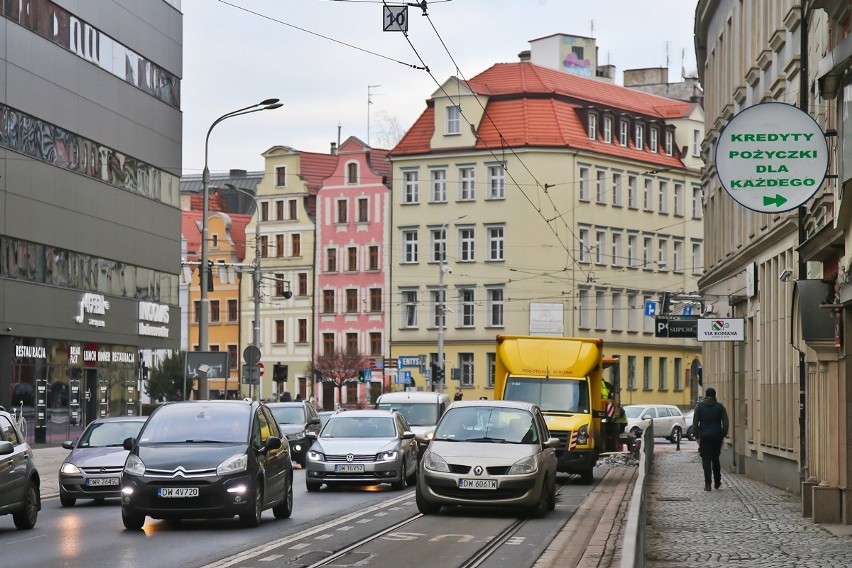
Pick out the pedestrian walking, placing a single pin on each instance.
(710, 423)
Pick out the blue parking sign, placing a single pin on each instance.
(650, 308)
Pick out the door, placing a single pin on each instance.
(649, 418)
(274, 461)
(90, 395)
(13, 467)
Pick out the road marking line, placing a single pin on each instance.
(322, 536)
(270, 558)
(362, 521)
(299, 546)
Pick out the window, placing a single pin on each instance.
(352, 173)
(302, 284)
(646, 194)
(279, 245)
(631, 372)
(664, 197)
(467, 242)
(617, 310)
(632, 249)
(653, 143)
(607, 129)
(600, 187)
(466, 368)
(302, 324)
(375, 343)
(633, 312)
(496, 182)
(409, 309)
(664, 380)
(331, 260)
(375, 300)
(647, 247)
(279, 285)
(280, 176)
(328, 301)
(677, 256)
(215, 240)
(214, 311)
(351, 301)
(622, 134)
(328, 343)
(600, 246)
(600, 309)
(453, 120)
(663, 253)
(264, 211)
(584, 184)
(279, 209)
(342, 211)
(696, 202)
(583, 237)
(678, 199)
(352, 343)
(439, 298)
(409, 246)
(466, 307)
(616, 190)
(279, 331)
(495, 243)
(438, 183)
(264, 246)
(352, 259)
(373, 256)
(490, 368)
(640, 137)
(296, 244)
(583, 302)
(669, 143)
(292, 208)
(467, 184)
(678, 373)
(363, 210)
(646, 372)
(411, 190)
(233, 357)
(632, 193)
(495, 307)
(696, 143)
(593, 126)
(697, 262)
(617, 259)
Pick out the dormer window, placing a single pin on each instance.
(593, 126)
(453, 120)
(669, 142)
(622, 134)
(640, 136)
(607, 129)
(652, 143)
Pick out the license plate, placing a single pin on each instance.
(177, 492)
(477, 484)
(349, 468)
(101, 481)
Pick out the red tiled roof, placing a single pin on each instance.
(214, 201)
(191, 231)
(316, 167)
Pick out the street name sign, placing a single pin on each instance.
(721, 329)
(771, 157)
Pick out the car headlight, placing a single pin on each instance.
(583, 435)
(316, 456)
(435, 462)
(134, 465)
(387, 456)
(233, 464)
(524, 466)
(69, 468)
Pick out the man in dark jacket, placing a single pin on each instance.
(710, 424)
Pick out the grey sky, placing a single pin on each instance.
(234, 58)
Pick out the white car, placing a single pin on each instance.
(667, 420)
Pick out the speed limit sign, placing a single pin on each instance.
(395, 18)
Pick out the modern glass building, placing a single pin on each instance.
(90, 161)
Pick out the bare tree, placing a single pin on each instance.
(337, 368)
(389, 131)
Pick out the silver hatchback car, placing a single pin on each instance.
(489, 453)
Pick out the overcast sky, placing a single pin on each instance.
(239, 52)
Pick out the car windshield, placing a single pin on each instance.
(488, 424)
(289, 414)
(633, 411)
(551, 395)
(359, 427)
(416, 413)
(192, 422)
(103, 434)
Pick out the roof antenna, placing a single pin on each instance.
(592, 28)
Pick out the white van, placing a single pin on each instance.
(421, 409)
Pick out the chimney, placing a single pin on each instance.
(333, 148)
(237, 173)
(524, 56)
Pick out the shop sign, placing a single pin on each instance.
(94, 355)
(30, 352)
(771, 157)
(152, 319)
(93, 308)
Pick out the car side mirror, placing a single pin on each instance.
(272, 443)
(310, 434)
(552, 443)
(68, 444)
(6, 448)
(128, 444)
(314, 420)
(408, 435)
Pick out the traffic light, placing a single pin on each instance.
(210, 276)
(437, 374)
(361, 377)
(279, 373)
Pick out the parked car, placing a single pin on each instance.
(363, 447)
(687, 418)
(667, 420)
(207, 459)
(296, 419)
(93, 468)
(489, 453)
(19, 478)
(422, 410)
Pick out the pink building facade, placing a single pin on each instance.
(352, 264)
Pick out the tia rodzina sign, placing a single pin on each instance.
(771, 157)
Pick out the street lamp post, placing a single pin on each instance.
(267, 104)
(442, 310)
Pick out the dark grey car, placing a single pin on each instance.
(19, 479)
(93, 468)
(296, 419)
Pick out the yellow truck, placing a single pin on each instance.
(564, 377)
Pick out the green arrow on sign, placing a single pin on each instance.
(778, 200)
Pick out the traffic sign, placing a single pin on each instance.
(684, 328)
(409, 361)
(650, 308)
(260, 369)
(395, 18)
(771, 157)
(251, 355)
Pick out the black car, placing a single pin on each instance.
(19, 478)
(296, 419)
(207, 459)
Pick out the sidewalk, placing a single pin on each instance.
(47, 461)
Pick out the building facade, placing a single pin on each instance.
(786, 384)
(90, 149)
